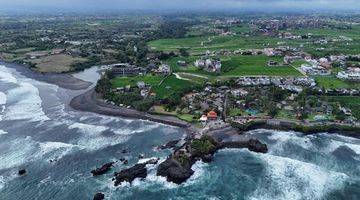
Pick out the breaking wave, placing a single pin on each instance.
(24, 103)
(24, 150)
(6, 76)
(292, 179)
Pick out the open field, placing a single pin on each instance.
(169, 86)
(353, 33)
(124, 81)
(194, 44)
(331, 82)
(55, 63)
(339, 47)
(159, 110)
(256, 65)
(239, 65)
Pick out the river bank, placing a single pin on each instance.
(67, 81)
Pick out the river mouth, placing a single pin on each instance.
(37, 126)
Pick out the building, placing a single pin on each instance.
(208, 65)
(203, 118)
(164, 69)
(352, 74)
(125, 69)
(212, 115)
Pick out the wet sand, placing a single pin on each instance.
(90, 101)
(66, 81)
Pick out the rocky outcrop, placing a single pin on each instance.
(257, 146)
(102, 170)
(99, 196)
(177, 167)
(252, 144)
(130, 174)
(174, 171)
(22, 172)
(170, 145)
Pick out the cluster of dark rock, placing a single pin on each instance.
(130, 174)
(177, 167)
(170, 145)
(103, 169)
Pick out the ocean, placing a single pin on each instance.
(37, 126)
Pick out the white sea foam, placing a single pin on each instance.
(92, 139)
(88, 128)
(2, 182)
(128, 131)
(57, 149)
(23, 150)
(6, 76)
(25, 104)
(2, 98)
(18, 153)
(336, 144)
(292, 179)
(2, 132)
(283, 137)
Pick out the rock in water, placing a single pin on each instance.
(207, 158)
(128, 175)
(141, 156)
(99, 196)
(22, 172)
(137, 171)
(170, 145)
(256, 146)
(102, 170)
(174, 171)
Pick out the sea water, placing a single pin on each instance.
(37, 125)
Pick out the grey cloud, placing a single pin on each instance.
(187, 4)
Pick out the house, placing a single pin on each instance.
(35, 55)
(203, 118)
(181, 63)
(141, 84)
(164, 69)
(272, 63)
(125, 69)
(212, 115)
(353, 74)
(239, 93)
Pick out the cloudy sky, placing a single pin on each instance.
(186, 4)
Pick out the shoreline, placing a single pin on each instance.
(90, 101)
(63, 80)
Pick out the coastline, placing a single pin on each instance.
(63, 80)
(90, 101)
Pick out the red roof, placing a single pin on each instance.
(212, 114)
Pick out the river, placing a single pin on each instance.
(37, 125)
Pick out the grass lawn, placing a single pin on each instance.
(169, 86)
(340, 47)
(193, 44)
(331, 82)
(161, 111)
(256, 65)
(124, 81)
